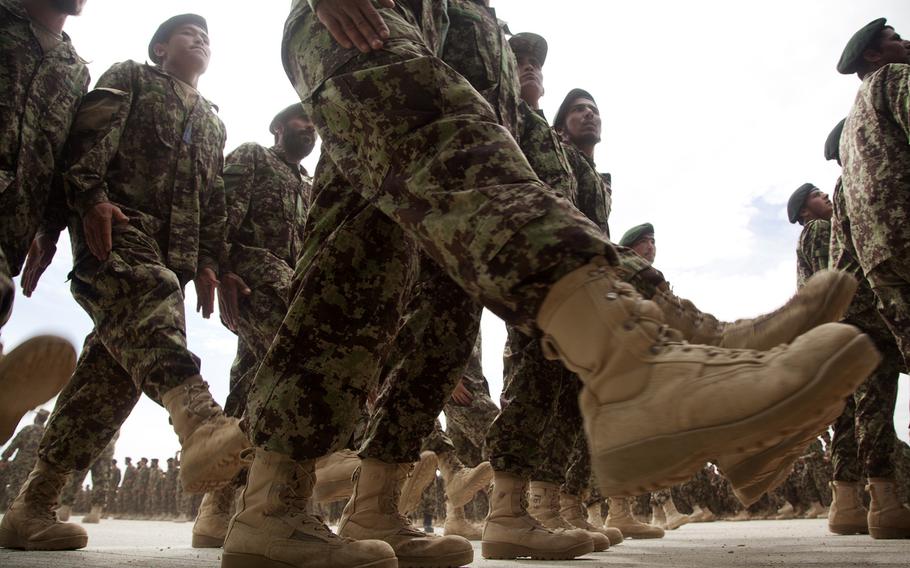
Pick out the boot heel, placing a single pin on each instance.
(884, 533)
(234, 560)
(502, 551)
(205, 541)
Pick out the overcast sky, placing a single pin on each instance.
(713, 113)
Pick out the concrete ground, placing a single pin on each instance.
(155, 544)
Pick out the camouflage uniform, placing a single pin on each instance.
(153, 489)
(169, 489)
(25, 446)
(101, 478)
(864, 433)
(127, 490)
(113, 489)
(43, 81)
(151, 146)
(876, 187)
(267, 199)
(141, 488)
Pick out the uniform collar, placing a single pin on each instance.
(279, 153)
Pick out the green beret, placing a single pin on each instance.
(560, 120)
(860, 42)
(797, 200)
(832, 144)
(290, 112)
(167, 28)
(528, 42)
(633, 235)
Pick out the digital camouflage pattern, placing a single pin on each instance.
(812, 254)
(594, 199)
(23, 449)
(875, 154)
(174, 198)
(42, 90)
(102, 478)
(267, 199)
(141, 486)
(127, 497)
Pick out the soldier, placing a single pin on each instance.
(101, 481)
(864, 437)
(25, 447)
(127, 502)
(156, 479)
(113, 502)
(268, 193)
(133, 254)
(170, 489)
(641, 239)
(141, 489)
(43, 81)
(432, 163)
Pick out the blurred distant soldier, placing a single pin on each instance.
(641, 239)
(25, 447)
(112, 502)
(169, 491)
(155, 486)
(142, 488)
(127, 498)
(101, 480)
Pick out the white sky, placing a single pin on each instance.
(713, 112)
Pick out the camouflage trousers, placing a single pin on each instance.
(101, 481)
(890, 281)
(138, 345)
(7, 291)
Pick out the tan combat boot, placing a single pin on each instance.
(570, 509)
(735, 401)
(888, 517)
(94, 516)
(420, 477)
(595, 514)
(30, 522)
(543, 505)
(462, 483)
(373, 513)
(334, 476)
(658, 518)
(63, 513)
(847, 514)
(30, 375)
(673, 517)
(510, 532)
(273, 526)
(620, 517)
(456, 524)
(213, 518)
(786, 512)
(210, 441)
(816, 511)
(700, 515)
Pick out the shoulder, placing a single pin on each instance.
(247, 153)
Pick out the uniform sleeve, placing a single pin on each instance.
(212, 224)
(897, 97)
(819, 245)
(239, 176)
(95, 138)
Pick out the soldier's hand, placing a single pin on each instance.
(97, 223)
(354, 23)
(39, 257)
(205, 282)
(461, 395)
(232, 286)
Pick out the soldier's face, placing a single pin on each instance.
(187, 49)
(69, 7)
(298, 137)
(646, 248)
(891, 49)
(530, 77)
(583, 122)
(819, 205)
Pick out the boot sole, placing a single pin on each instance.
(36, 371)
(236, 560)
(629, 470)
(454, 560)
(508, 551)
(9, 539)
(883, 533)
(223, 451)
(848, 529)
(205, 541)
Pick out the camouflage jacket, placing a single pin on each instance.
(476, 47)
(115, 476)
(25, 444)
(875, 150)
(41, 92)
(812, 252)
(142, 477)
(129, 476)
(137, 144)
(593, 196)
(268, 199)
(546, 153)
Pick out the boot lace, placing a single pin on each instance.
(200, 401)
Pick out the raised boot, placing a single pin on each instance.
(30, 522)
(419, 478)
(461, 482)
(213, 518)
(570, 509)
(94, 516)
(210, 441)
(735, 401)
(373, 513)
(673, 517)
(64, 512)
(274, 528)
(456, 524)
(847, 514)
(888, 516)
(510, 532)
(334, 476)
(543, 505)
(30, 375)
(620, 517)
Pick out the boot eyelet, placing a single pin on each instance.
(611, 296)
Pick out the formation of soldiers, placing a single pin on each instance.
(356, 296)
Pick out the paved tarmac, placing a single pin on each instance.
(800, 543)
